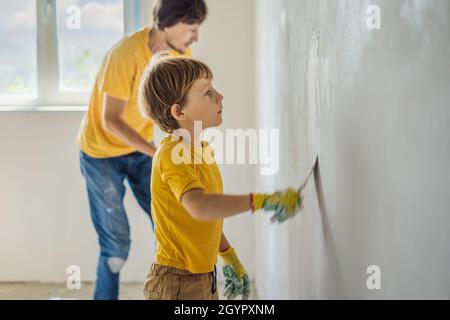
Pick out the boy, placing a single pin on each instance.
(188, 205)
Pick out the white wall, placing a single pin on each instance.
(375, 106)
(44, 216)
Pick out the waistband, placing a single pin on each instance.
(161, 269)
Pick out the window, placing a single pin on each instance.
(18, 49)
(51, 50)
(85, 31)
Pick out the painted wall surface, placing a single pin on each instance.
(375, 106)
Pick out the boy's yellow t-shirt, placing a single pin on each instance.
(182, 241)
(119, 77)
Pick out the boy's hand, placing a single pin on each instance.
(237, 281)
(285, 204)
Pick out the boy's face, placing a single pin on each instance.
(204, 103)
(181, 36)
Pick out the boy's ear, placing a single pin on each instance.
(176, 112)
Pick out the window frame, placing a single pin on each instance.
(49, 97)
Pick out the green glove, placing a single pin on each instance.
(237, 281)
(285, 204)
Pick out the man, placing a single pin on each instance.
(116, 141)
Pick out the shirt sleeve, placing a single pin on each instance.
(179, 177)
(118, 75)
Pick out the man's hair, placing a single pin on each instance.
(165, 82)
(167, 13)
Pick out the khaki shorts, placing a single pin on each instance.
(167, 283)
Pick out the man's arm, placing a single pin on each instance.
(112, 122)
(209, 207)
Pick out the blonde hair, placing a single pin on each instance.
(166, 81)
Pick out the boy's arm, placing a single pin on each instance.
(209, 207)
(224, 244)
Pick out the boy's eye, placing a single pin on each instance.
(209, 93)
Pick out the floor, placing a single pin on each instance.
(47, 291)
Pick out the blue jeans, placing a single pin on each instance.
(106, 191)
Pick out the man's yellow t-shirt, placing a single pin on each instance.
(119, 77)
(182, 241)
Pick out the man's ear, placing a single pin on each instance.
(176, 112)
